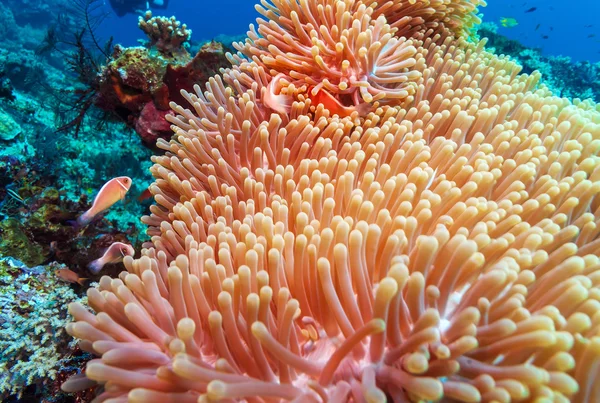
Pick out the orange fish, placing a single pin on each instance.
(70, 276)
(283, 103)
(333, 105)
(112, 191)
(114, 254)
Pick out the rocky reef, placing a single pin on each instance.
(560, 74)
(138, 83)
(68, 123)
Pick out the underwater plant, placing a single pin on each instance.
(440, 241)
(84, 56)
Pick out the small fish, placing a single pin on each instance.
(112, 191)
(283, 103)
(280, 103)
(508, 22)
(545, 36)
(531, 10)
(537, 26)
(114, 254)
(146, 194)
(334, 106)
(70, 276)
(551, 28)
(588, 26)
(591, 35)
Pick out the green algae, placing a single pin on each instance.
(15, 242)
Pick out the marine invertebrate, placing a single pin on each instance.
(167, 35)
(138, 82)
(32, 336)
(76, 43)
(334, 45)
(454, 17)
(441, 247)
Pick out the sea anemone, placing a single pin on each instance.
(444, 246)
(448, 17)
(334, 45)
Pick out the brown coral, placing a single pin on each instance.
(167, 35)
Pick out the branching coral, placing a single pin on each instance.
(166, 34)
(441, 247)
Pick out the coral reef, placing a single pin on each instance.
(442, 244)
(6, 88)
(138, 83)
(563, 76)
(36, 226)
(167, 35)
(22, 68)
(48, 177)
(9, 129)
(457, 192)
(36, 351)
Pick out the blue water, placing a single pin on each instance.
(207, 19)
(563, 22)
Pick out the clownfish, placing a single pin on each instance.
(333, 105)
(282, 103)
(278, 102)
(114, 254)
(112, 191)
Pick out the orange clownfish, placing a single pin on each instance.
(282, 103)
(114, 254)
(112, 191)
(318, 96)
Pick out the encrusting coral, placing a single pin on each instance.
(443, 246)
(137, 83)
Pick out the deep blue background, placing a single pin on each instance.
(569, 37)
(568, 18)
(206, 18)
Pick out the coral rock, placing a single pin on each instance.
(9, 129)
(152, 124)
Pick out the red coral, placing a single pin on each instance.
(152, 125)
